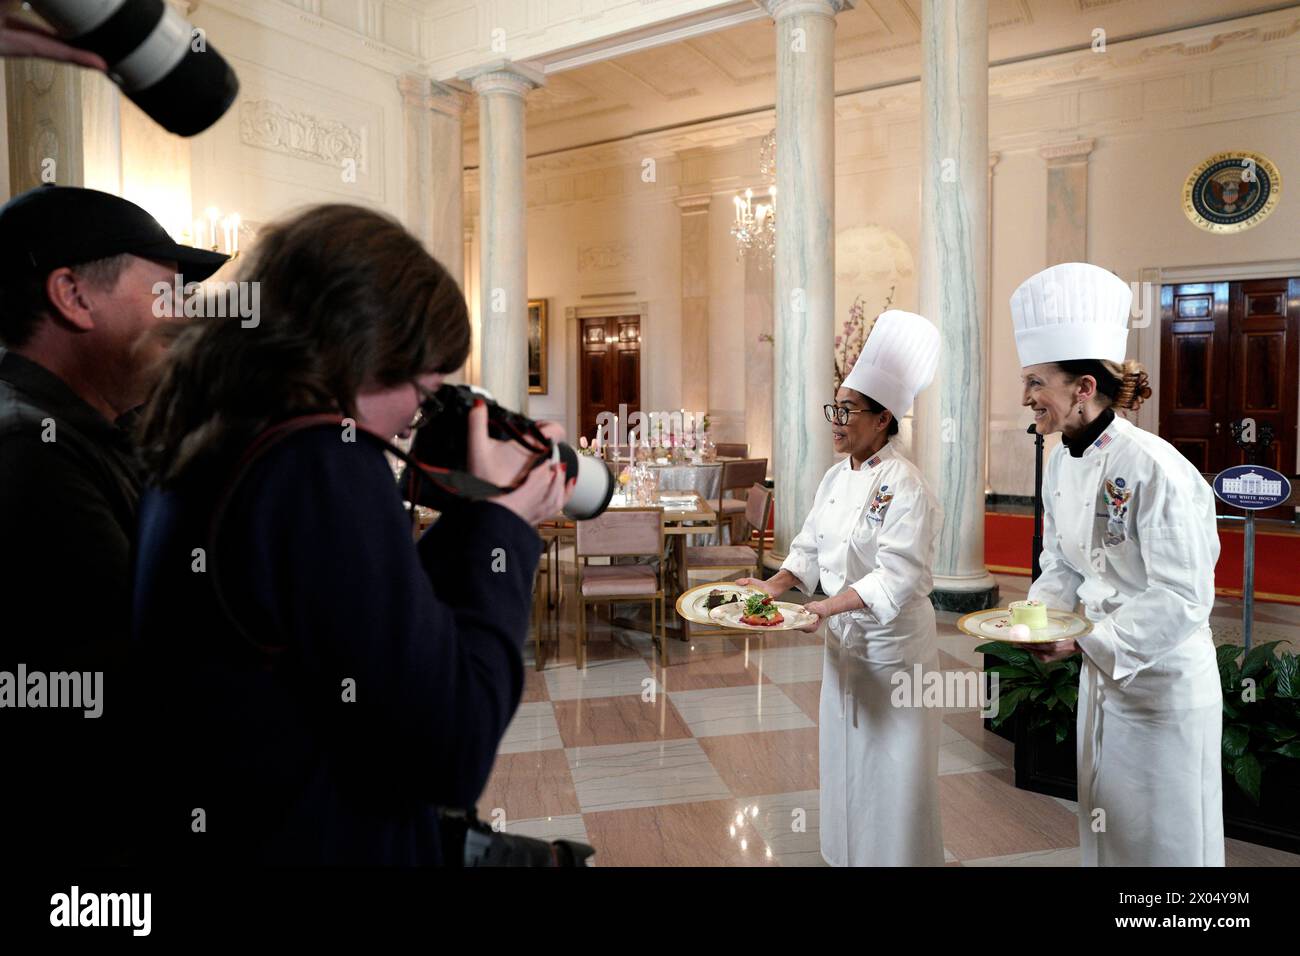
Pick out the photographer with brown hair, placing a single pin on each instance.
(315, 685)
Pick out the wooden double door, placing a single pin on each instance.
(609, 364)
(1230, 350)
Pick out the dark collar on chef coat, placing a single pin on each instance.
(1078, 443)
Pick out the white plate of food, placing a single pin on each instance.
(1024, 622)
(695, 604)
(755, 611)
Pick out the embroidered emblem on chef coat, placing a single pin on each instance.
(1117, 495)
(880, 503)
(1102, 442)
(873, 461)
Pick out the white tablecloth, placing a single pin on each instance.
(702, 479)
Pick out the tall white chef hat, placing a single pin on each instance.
(1071, 311)
(897, 361)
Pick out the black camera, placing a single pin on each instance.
(165, 66)
(441, 448)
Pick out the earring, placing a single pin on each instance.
(1081, 408)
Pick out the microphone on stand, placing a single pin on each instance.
(1038, 501)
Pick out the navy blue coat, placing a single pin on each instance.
(401, 671)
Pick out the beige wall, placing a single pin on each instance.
(302, 111)
(583, 254)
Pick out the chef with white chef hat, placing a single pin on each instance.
(869, 540)
(1129, 530)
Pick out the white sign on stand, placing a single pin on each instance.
(1253, 488)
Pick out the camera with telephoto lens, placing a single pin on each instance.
(441, 447)
(156, 58)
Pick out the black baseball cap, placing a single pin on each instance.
(49, 227)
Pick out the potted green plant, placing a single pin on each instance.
(1038, 701)
(1261, 744)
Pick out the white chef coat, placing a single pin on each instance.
(874, 529)
(1129, 530)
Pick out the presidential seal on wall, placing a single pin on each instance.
(1230, 192)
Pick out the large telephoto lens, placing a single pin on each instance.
(156, 58)
(442, 441)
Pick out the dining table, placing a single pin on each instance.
(703, 477)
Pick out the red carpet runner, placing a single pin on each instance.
(1008, 542)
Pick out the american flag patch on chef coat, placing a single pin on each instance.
(873, 461)
(1102, 442)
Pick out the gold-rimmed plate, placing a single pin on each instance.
(994, 624)
(691, 604)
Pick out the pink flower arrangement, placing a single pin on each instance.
(853, 336)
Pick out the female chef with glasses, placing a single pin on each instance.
(869, 541)
(1129, 530)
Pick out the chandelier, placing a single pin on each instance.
(755, 227)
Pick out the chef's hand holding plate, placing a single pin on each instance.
(817, 608)
(758, 585)
(1054, 650)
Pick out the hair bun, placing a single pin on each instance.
(1133, 389)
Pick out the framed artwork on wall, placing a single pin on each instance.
(536, 346)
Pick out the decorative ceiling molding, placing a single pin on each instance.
(1159, 57)
(649, 36)
(303, 20)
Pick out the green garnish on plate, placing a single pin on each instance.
(755, 606)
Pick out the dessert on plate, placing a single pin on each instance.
(1032, 614)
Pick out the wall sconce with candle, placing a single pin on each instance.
(218, 233)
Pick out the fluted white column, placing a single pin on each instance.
(804, 271)
(503, 253)
(435, 183)
(953, 288)
(432, 119)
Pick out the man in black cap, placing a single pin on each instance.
(78, 271)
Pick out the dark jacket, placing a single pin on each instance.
(400, 673)
(69, 489)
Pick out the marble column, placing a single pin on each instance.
(758, 359)
(986, 412)
(503, 254)
(804, 270)
(44, 124)
(695, 301)
(435, 182)
(1067, 201)
(72, 127)
(949, 436)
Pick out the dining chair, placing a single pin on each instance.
(737, 476)
(738, 557)
(622, 532)
(732, 449)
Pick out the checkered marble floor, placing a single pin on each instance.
(712, 760)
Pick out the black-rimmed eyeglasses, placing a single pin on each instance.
(839, 415)
(430, 406)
